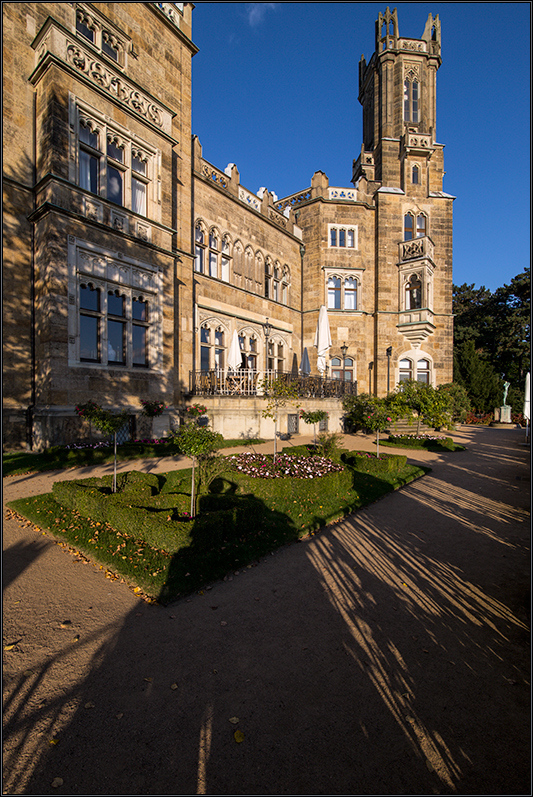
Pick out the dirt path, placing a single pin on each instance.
(387, 655)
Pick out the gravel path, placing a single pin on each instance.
(389, 654)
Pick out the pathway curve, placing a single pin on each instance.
(389, 654)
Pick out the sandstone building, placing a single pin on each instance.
(131, 263)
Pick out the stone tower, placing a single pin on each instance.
(399, 172)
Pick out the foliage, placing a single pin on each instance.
(198, 442)
(242, 519)
(478, 377)
(278, 393)
(151, 409)
(107, 422)
(479, 419)
(357, 410)
(496, 326)
(313, 416)
(433, 407)
(195, 410)
(329, 445)
(459, 401)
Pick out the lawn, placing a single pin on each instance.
(142, 532)
(61, 457)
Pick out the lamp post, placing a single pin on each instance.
(344, 349)
(389, 354)
(370, 366)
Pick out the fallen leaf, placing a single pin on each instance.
(223, 622)
(120, 715)
(149, 680)
(234, 720)
(65, 624)
(238, 736)
(12, 644)
(56, 783)
(174, 686)
(53, 741)
(89, 705)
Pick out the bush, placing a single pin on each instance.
(370, 463)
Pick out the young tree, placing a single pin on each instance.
(107, 422)
(197, 443)
(278, 394)
(313, 417)
(378, 416)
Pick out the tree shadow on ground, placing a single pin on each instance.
(385, 655)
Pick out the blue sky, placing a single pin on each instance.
(275, 90)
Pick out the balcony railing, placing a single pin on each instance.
(244, 382)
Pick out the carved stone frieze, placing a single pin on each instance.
(215, 176)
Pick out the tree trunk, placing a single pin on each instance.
(115, 464)
(193, 498)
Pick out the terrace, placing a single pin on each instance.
(246, 382)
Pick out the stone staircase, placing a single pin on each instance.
(403, 426)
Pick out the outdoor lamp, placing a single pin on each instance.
(267, 328)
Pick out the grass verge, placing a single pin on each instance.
(59, 457)
(241, 520)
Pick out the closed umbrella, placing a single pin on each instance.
(305, 365)
(322, 339)
(527, 405)
(234, 354)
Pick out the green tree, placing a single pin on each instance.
(278, 393)
(314, 417)
(432, 407)
(106, 422)
(377, 416)
(197, 443)
(459, 402)
(478, 377)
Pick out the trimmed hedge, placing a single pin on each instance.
(387, 463)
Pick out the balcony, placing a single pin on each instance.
(247, 383)
(416, 248)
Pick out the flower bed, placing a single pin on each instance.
(262, 466)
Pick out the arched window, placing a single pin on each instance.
(410, 100)
(406, 370)
(268, 278)
(415, 175)
(423, 371)
(285, 285)
(89, 323)
(337, 369)
(213, 254)
(248, 347)
(350, 293)
(225, 261)
(334, 293)
(408, 227)
(413, 293)
(421, 225)
(199, 251)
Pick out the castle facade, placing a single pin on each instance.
(134, 269)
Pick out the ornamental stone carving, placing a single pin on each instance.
(115, 85)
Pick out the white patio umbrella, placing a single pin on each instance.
(305, 365)
(527, 405)
(322, 339)
(234, 354)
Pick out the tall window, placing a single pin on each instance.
(213, 255)
(410, 100)
(413, 293)
(205, 348)
(415, 175)
(342, 293)
(422, 371)
(334, 293)
(406, 370)
(219, 349)
(89, 158)
(114, 327)
(199, 249)
(409, 226)
(89, 323)
(113, 166)
(342, 237)
(225, 263)
(248, 346)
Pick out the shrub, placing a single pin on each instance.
(371, 463)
